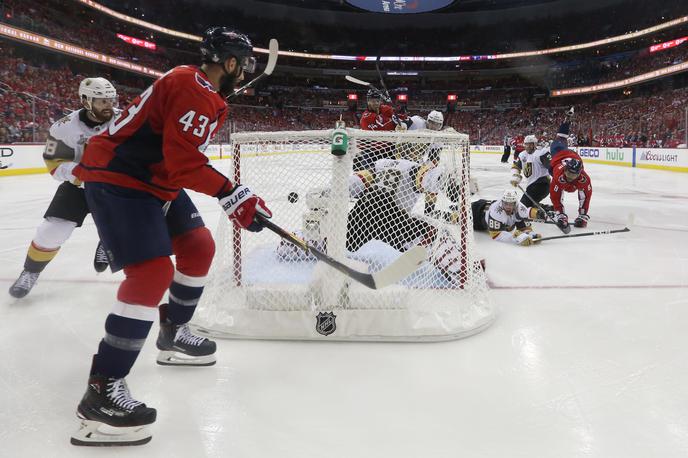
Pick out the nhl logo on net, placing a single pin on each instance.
(325, 323)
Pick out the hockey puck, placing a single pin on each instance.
(293, 197)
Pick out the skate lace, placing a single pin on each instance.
(26, 280)
(100, 254)
(118, 392)
(184, 335)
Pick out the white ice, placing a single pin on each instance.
(586, 359)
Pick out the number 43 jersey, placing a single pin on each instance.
(157, 143)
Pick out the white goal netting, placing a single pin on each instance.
(390, 192)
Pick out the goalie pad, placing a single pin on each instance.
(446, 256)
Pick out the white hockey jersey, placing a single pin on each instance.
(531, 165)
(73, 130)
(500, 224)
(412, 181)
(418, 123)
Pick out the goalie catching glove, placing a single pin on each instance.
(241, 205)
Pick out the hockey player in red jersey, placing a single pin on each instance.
(135, 175)
(378, 115)
(568, 175)
(518, 145)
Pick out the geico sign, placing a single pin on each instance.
(589, 152)
(658, 157)
(6, 152)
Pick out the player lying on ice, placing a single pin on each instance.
(135, 175)
(386, 196)
(506, 219)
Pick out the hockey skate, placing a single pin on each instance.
(100, 260)
(23, 284)
(180, 347)
(110, 416)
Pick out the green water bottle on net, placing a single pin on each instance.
(340, 138)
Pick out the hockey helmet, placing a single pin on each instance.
(376, 94)
(573, 169)
(221, 43)
(509, 199)
(435, 120)
(530, 139)
(96, 88)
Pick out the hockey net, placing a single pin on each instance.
(391, 191)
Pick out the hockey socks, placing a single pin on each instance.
(185, 292)
(124, 338)
(37, 258)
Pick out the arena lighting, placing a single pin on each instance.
(352, 97)
(452, 98)
(66, 48)
(591, 44)
(668, 44)
(670, 70)
(137, 42)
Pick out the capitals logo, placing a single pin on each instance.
(204, 83)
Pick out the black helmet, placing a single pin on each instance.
(221, 43)
(574, 166)
(375, 94)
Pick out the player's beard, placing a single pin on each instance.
(229, 82)
(103, 115)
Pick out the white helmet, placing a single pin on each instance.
(510, 196)
(96, 88)
(530, 139)
(435, 120)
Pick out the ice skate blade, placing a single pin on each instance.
(97, 434)
(173, 358)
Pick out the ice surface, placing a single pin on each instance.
(587, 357)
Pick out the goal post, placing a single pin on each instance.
(391, 191)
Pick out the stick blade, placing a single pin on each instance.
(401, 268)
(356, 80)
(273, 48)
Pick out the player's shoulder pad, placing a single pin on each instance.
(63, 125)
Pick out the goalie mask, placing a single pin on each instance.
(99, 98)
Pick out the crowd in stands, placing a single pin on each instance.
(33, 97)
(613, 68)
(656, 120)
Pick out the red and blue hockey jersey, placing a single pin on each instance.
(156, 144)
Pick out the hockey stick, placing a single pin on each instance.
(272, 61)
(402, 267)
(548, 219)
(583, 234)
(379, 74)
(351, 79)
